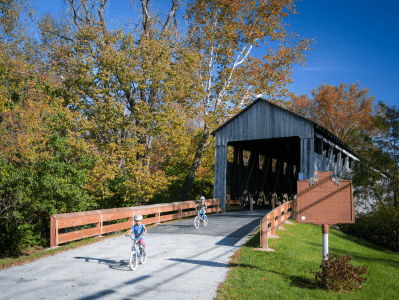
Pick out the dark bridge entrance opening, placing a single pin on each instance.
(263, 171)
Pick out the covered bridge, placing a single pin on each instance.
(264, 149)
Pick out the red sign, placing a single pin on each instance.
(325, 200)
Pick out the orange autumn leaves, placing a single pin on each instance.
(347, 112)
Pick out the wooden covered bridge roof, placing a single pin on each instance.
(318, 128)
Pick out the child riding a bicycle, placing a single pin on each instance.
(138, 229)
(201, 208)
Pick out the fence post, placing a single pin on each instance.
(268, 231)
(99, 226)
(284, 209)
(278, 216)
(262, 234)
(53, 232)
(180, 211)
(272, 223)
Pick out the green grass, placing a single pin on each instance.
(286, 273)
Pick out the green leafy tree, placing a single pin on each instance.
(45, 164)
(375, 176)
(30, 194)
(375, 180)
(385, 157)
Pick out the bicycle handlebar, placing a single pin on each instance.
(134, 239)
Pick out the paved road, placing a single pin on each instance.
(182, 263)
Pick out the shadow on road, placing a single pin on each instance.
(108, 292)
(236, 236)
(122, 265)
(201, 262)
(180, 225)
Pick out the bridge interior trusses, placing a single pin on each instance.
(263, 170)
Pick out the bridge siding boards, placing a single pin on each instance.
(263, 120)
(262, 123)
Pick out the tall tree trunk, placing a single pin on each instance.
(395, 192)
(195, 165)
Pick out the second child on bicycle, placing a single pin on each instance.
(201, 207)
(138, 229)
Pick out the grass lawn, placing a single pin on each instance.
(286, 273)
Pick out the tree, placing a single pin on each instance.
(388, 143)
(10, 12)
(224, 33)
(376, 177)
(346, 112)
(45, 163)
(129, 85)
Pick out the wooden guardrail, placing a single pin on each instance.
(232, 204)
(235, 204)
(156, 213)
(273, 220)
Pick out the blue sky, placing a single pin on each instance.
(356, 40)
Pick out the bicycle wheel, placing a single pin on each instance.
(143, 255)
(196, 222)
(133, 261)
(206, 220)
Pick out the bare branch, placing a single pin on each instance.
(239, 60)
(146, 17)
(57, 34)
(246, 96)
(101, 14)
(75, 13)
(87, 14)
(172, 14)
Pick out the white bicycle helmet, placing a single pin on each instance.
(202, 198)
(138, 217)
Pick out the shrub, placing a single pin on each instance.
(379, 227)
(33, 192)
(337, 274)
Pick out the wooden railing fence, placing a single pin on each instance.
(232, 205)
(273, 221)
(156, 213)
(235, 204)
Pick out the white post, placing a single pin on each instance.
(324, 229)
(325, 245)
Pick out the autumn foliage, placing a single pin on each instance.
(347, 112)
(97, 115)
(92, 117)
(372, 129)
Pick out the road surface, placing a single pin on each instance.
(182, 263)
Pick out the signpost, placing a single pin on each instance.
(325, 200)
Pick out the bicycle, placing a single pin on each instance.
(135, 254)
(197, 219)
